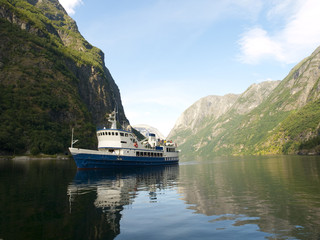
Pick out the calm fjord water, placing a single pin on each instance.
(219, 198)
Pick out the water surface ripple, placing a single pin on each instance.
(274, 197)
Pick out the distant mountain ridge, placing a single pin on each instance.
(274, 117)
(147, 129)
(51, 80)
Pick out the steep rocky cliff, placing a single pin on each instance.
(268, 118)
(51, 80)
(195, 117)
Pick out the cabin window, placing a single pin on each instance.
(123, 142)
(137, 153)
(126, 134)
(116, 134)
(171, 149)
(112, 133)
(121, 134)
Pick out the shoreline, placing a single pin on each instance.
(36, 157)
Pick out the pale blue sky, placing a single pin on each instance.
(166, 54)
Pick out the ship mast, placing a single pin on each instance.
(73, 141)
(112, 117)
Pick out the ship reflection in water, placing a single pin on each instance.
(99, 196)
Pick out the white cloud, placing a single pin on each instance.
(70, 5)
(257, 44)
(295, 40)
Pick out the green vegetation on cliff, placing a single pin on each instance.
(284, 121)
(37, 93)
(45, 67)
(298, 133)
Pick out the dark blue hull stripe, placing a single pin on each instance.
(103, 161)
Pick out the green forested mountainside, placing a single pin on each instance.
(298, 133)
(51, 80)
(285, 121)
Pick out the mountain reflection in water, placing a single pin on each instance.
(280, 195)
(274, 197)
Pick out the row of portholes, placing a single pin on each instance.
(113, 134)
(108, 133)
(148, 154)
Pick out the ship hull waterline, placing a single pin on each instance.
(98, 161)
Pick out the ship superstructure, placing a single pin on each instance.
(118, 147)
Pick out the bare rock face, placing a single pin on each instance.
(301, 85)
(210, 108)
(254, 96)
(96, 86)
(48, 68)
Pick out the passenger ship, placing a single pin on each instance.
(118, 147)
